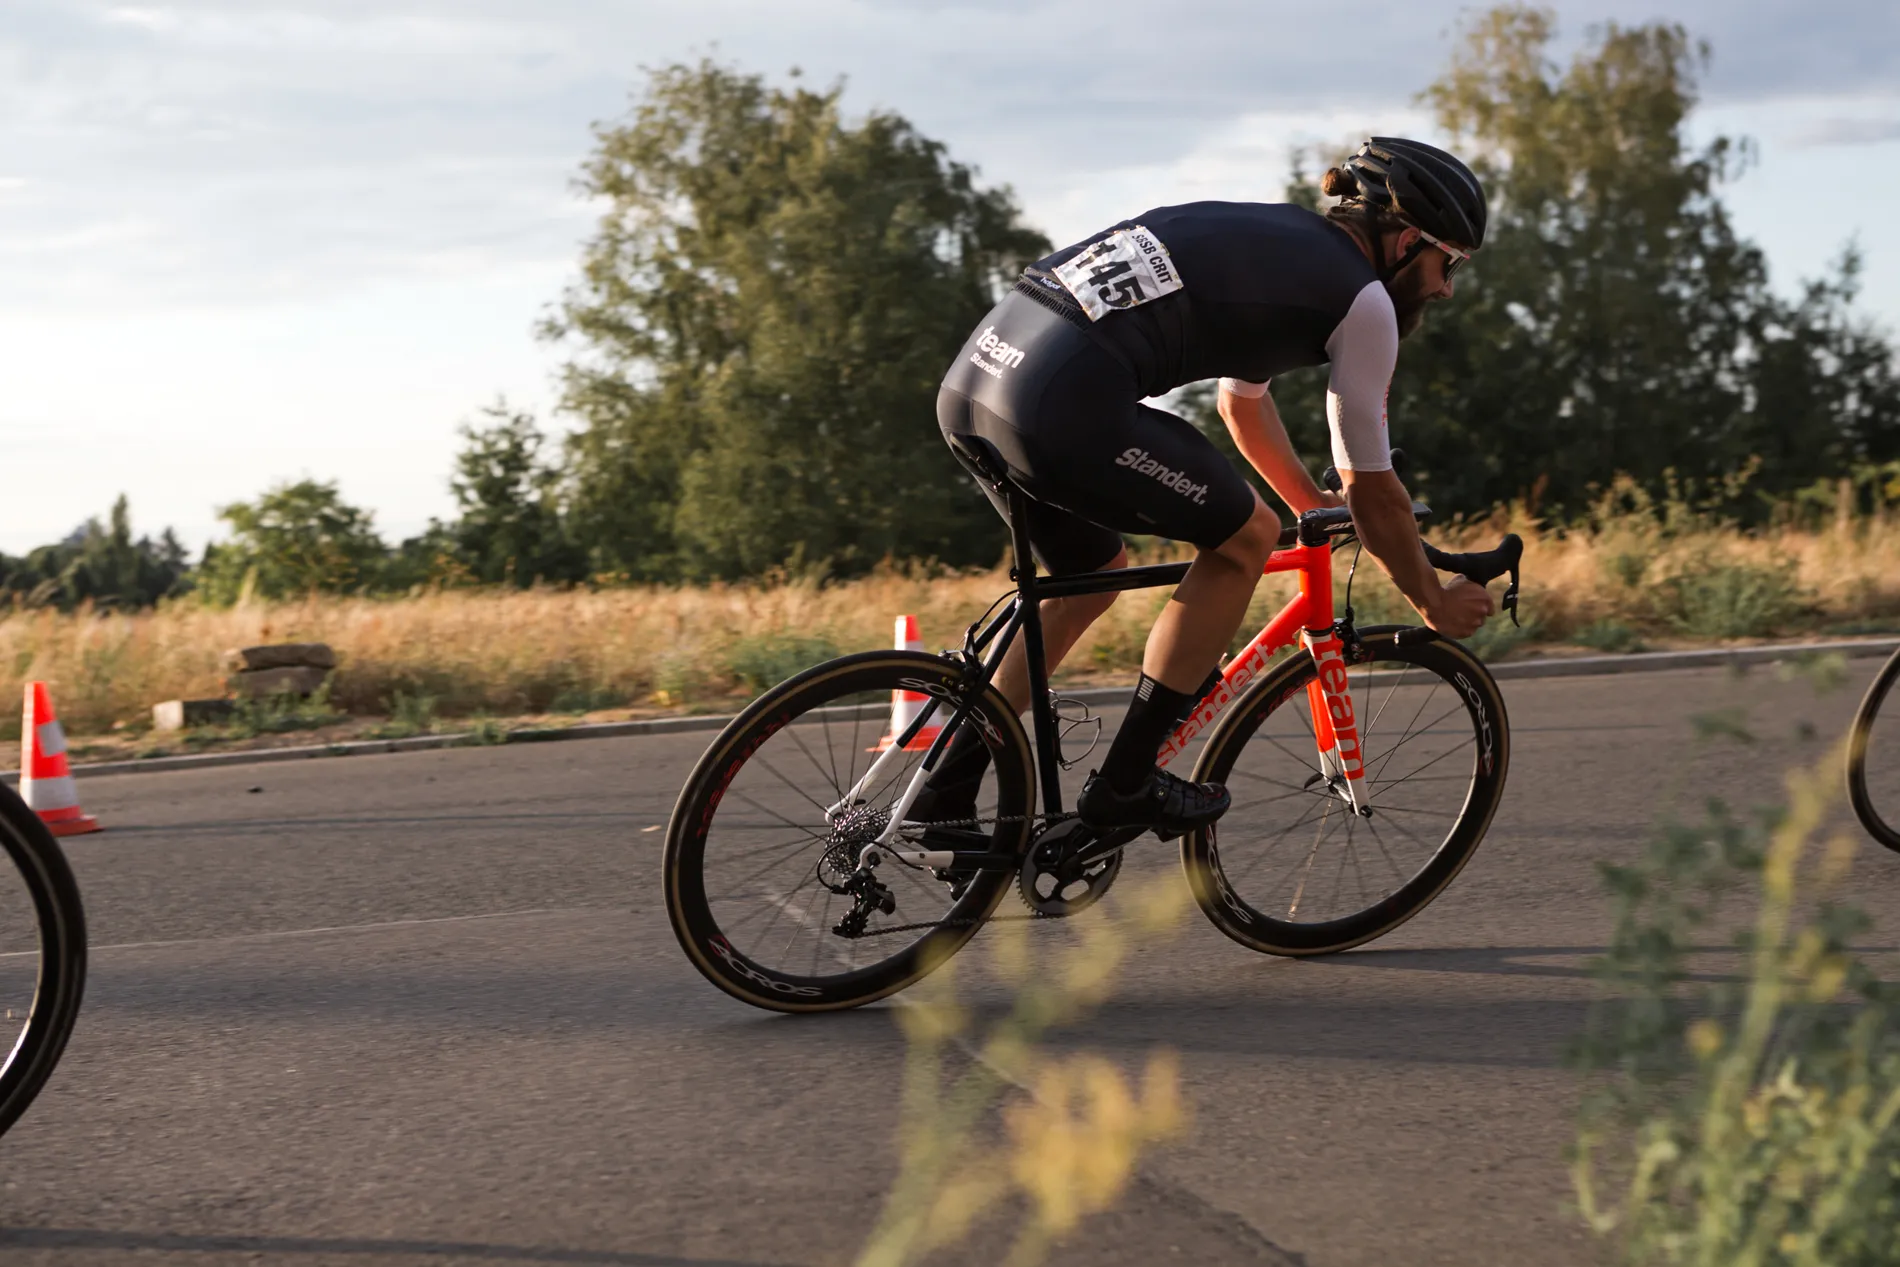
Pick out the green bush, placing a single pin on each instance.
(410, 713)
(280, 714)
(1498, 637)
(1612, 636)
(585, 699)
(764, 660)
(1724, 598)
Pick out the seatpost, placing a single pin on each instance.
(1041, 709)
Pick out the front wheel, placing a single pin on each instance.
(1292, 868)
(1873, 760)
(765, 842)
(42, 955)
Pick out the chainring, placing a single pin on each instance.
(1054, 881)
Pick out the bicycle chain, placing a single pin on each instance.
(1050, 820)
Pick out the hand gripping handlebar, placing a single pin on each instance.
(1484, 566)
(1479, 566)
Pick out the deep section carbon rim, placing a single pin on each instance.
(1873, 758)
(760, 847)
(1292, 868)
(42, 956)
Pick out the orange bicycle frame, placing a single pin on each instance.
(1308, 618)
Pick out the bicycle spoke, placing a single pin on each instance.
(1346, 866)
(793, 730)
(1365, 731)
(774, 772)
(1419, 712)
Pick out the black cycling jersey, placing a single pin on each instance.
(1054, 377)
(1263, 288)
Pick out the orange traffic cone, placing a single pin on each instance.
(905, 705)
(46, 783)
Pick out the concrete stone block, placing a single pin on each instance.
(280, 655)
(178, 714)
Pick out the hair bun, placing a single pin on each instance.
(1338, 183)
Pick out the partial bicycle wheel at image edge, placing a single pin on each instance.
(1873, 758)
(1293, 868)
(763, 845)
(42, 956)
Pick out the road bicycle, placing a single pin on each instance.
(1873, 759)
(1364, 774)
(42, 956)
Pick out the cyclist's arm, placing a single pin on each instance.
(1254, 422)
(1382, 516)
(1364, 350)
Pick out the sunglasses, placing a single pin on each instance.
(1459, 258)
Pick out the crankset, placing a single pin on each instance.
(1069, 867)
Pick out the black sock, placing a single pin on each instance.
(1153, 712)
(963, 762)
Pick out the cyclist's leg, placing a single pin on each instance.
(1207, 607)
(1146, 470)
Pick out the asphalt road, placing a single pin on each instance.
(425, 1008)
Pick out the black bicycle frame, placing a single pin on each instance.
(1024, 615)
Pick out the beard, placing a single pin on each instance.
(1409, 300)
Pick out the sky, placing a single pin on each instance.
(249, 241)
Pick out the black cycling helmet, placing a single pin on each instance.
(1422, 185)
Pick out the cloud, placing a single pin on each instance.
(276, 147)
(1831, 132)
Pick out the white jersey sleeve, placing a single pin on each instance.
(1364, 348)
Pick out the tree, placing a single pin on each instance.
(1615, 321)
(510, 528)
(761, 325)
(99, 564)
(295, 539)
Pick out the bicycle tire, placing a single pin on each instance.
(1858, 737)
(1218, 886)
(60, 946)
(711, 938)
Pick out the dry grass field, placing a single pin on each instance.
(1651, 577)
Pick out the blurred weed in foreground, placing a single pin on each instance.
(1073, 1127)
(1744, 1122)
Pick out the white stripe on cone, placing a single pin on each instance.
(49, 794)
(46, 783)
(52, 738)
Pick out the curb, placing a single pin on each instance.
(1573, 666)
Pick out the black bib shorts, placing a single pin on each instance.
(1065, 413)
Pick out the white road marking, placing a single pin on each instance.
(327, 928)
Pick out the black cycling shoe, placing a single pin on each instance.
(1168, 804)
(954, 804)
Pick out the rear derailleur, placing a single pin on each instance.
(873, 898)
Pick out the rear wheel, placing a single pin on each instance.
(1291, 869)
(42, 955)
(1873, 759)
(759, 848)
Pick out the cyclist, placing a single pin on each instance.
(1052, 384)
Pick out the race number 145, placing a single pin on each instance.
(1127, 268)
